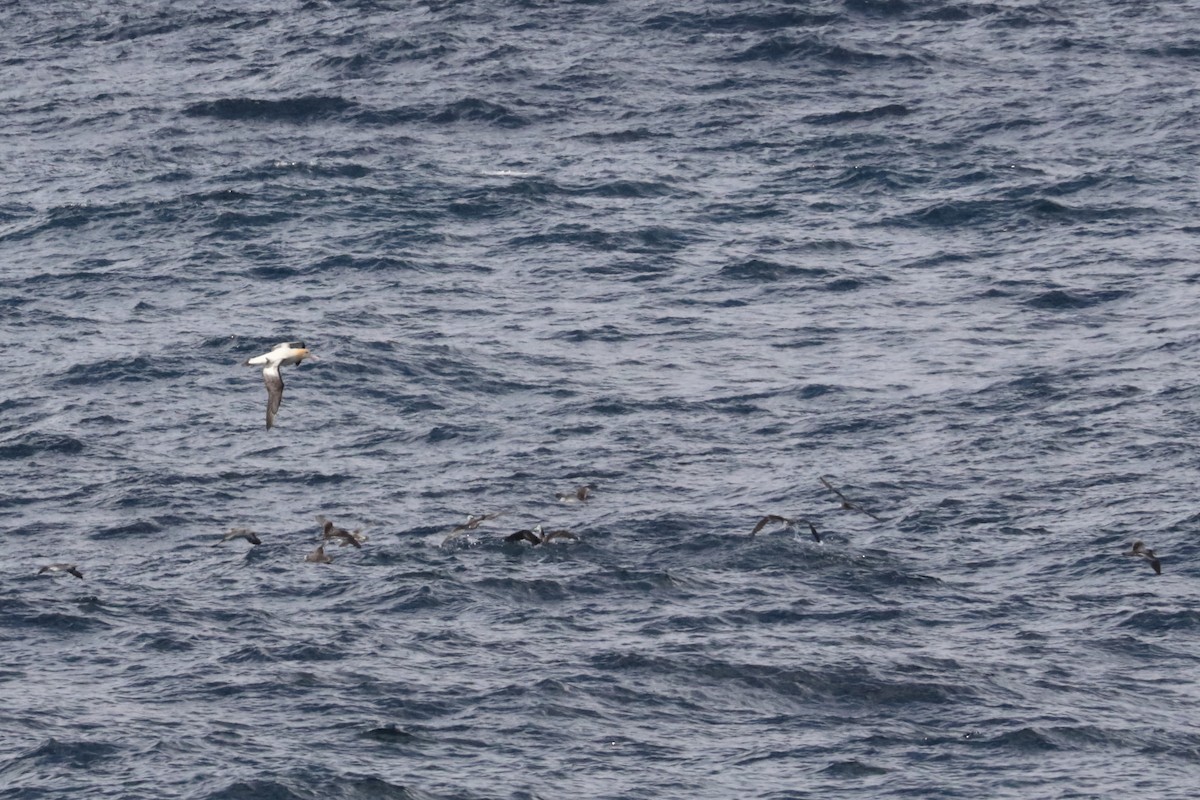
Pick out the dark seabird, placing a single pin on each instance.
(319, 556)
(535, 536)
(532, 536)
(580, 495)
(331, 532)
(846, 504)
(239, 533)
(285, 354)
(55, 569)
(786, 522)
(1140, 550)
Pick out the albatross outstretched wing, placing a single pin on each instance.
(274, 382)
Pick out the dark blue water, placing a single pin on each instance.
(694, 255)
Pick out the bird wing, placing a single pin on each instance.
(833, 489)
(79, 574)
(274, 382)
(857, 507)
(528, 536)
(1154, 562)
(559, 535)
(253, 539)
(847, 502)
(767, 520)
(815, 535)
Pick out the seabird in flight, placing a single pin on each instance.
(1140, 550)
(846, 503)
(239, 533)
(285, 354)
(473, 522)
(55, 569)
(331, 532)
(786, 522)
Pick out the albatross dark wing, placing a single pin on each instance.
(274, 382)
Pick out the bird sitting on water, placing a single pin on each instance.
(319, 556)
(57, 569)
(786, 522)
(285, 354)
(1141, 551)
(579, 495)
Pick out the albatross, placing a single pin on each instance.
(285, 354)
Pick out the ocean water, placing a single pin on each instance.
(696, 256)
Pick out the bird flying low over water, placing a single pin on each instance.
(775, 519)
(285, 354)
(846, 503)
(1140, 550)
(331, 532)
(239, 533)
(473, 522)
(535, 536)
(56, 569)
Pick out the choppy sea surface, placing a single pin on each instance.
(694, 255)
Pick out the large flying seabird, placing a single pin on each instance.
(285, 354)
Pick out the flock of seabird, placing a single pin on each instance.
(286, 354)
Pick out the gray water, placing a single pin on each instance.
(695, 257)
